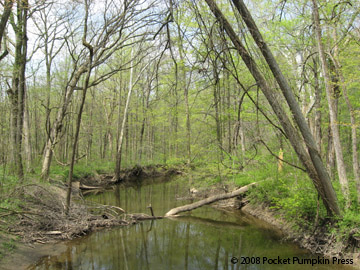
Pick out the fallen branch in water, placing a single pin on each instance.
(209, 200)
(142, 216)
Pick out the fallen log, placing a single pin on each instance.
(209, 200)
(141, 216)
(85, 187)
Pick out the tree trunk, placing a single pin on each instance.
(319, 175)
(3, 22)
(209, 200)
(329, 193)
(58, 123)
(76, 139)
(17, 91)
(334, 127)
(317, 108)
(27, 138)
(125, 115)
(355, 160)
(185, 87)
(145, 109)
(78, 120)
(217, 113)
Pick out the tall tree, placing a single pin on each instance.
(311, 160)
(7, 7)
(50, 28)
(120, 23)
(82, 102)
(17, 91)
(125, 116)
(332, 111)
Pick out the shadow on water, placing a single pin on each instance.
(206, 238)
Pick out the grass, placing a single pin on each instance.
(6, 247)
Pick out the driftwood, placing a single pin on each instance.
(85, 187)
(141, 216)
(209, 200)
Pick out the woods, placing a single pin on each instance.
(235, 91)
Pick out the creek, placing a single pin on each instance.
(205, 238)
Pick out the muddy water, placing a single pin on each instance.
(206, 238)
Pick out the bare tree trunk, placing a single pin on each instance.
(330, 153)
(145, 109)
(27, 138)
(312, 163)
(185, 87)
(208, 200)
(355, 160)
(334, 127)
(17, 91)
(328, 190)
(317, 108)
(217, 113)
(3, 22)
(78, 120)
(58, 123)
(125, 115)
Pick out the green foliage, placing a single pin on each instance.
(10, 245)
(291, 193)
(6, 247)
(350, 220)
(82, 170)
(256, 175)
(10, 203)
(7, 182)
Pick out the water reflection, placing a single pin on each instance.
(206, 239)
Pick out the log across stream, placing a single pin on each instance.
(204, 238)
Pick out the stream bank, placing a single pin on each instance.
(97, 221)
(36, 220)
(318, 241)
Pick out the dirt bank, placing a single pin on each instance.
(318, 241)
(36, 217)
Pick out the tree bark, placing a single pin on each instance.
(17, 91)
(317, 108)
(58, 123)
(27, 136)
(3, 22)
(313, 165)
(78, 120)
(146, 99)
(355, 161)
(311, 146)
(209, 200)
(125, 115)
(184, 85)
(334, 127)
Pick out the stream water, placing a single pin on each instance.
(206, 238)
